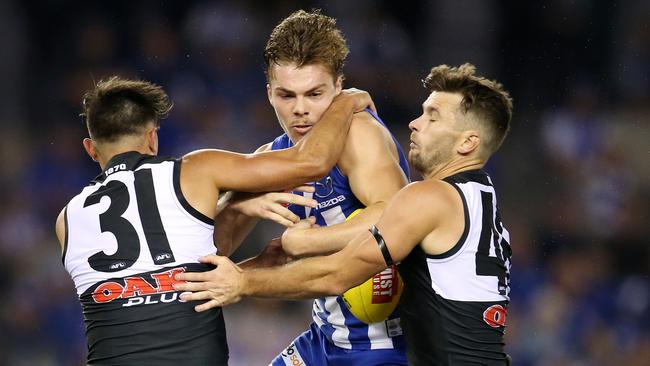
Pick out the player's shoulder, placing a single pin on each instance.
(365, 123)
(431, 193)
(367, 134)
(436, 188)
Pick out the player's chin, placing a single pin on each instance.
(412, 155)
(296, 137)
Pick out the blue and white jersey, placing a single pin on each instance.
(336, 201)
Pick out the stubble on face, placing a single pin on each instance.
(434, 140)
(428, 161)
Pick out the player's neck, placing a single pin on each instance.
(107, 154)
(146, 144)
(454, 167)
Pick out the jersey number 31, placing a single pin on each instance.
(128, 243)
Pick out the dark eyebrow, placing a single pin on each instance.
(315, 88)
(291, 92)
(283, 90)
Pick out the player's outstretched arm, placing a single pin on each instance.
(238, 213)
(327, 275)
(231, 226)
(308, 160)
(371, 163)
(205, 173)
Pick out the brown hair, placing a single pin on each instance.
(118, 107)
(487, 99)
(306, 39)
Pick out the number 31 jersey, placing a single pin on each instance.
(127, 235)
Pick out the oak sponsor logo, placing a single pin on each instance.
(292, 357)
(145, 289)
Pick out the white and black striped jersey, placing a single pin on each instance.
(454, 304)
(127, 234)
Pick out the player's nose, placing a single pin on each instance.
(413, 125)
(299, 107)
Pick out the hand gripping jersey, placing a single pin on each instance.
(335, 202)
(454, 305)
(127, 234)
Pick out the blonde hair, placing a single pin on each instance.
(307, 38)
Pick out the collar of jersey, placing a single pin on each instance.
(132, 159)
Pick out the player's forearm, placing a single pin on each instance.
(330, 239)
(326, 140)
(256, 262)
(230, 230)
(315, 278)
(265, 259)
(225, 198)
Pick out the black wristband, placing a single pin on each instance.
(382, 245)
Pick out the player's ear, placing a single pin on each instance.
(338, 85)
(470, 141)
(90, 148)
(152, 140)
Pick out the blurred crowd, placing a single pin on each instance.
(573, 176)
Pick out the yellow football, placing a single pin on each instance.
(374, 300)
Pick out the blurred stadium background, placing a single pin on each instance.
(573, 177)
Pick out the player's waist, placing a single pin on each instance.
(166, 339)
(343, 329)
(359, 338)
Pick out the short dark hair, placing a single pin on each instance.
(307, 38)
(119, 107)
(485, 98)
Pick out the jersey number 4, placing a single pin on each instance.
(492, 236)
(128, 243)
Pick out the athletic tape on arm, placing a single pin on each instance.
(382, 245)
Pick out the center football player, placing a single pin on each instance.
(304, 58)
